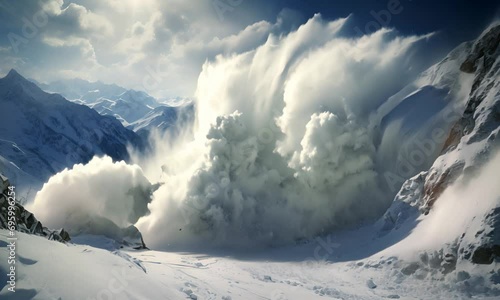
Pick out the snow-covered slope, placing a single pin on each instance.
(76, 272)
(163, 118)
(472, 140)
(41, 133)
(453, 209)
(419, 117)
(129, 106)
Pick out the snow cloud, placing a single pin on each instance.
(282, 146)
(98, 190)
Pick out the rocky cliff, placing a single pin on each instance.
(472, 143)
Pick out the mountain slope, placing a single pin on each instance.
(41, 133)
(419, 117)
(471, 142)
(452, 211)
(129, 106)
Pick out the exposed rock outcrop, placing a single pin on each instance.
(25, 221)
(471, 143)
(481, 117)
(488, 249)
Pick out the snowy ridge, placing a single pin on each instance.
(129, 106)
(164, 118)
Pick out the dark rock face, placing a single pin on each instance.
(485, 48)
(25, 220)
(488, 250)
(481, 60)
(486, 255)
(60, 235)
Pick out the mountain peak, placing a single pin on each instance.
(13, 74)
(13, 77)
(138, 97)
(15, 80)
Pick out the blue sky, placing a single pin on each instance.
(160, 46)
(459, 17)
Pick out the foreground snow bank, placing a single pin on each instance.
(317, 270)
(51, 270)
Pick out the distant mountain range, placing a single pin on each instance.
(128, 106)
(82, 90)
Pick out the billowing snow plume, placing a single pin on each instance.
(100, 191)
(282, 147)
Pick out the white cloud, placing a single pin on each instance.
(157, 46)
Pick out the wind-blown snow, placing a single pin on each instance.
(461, 208)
